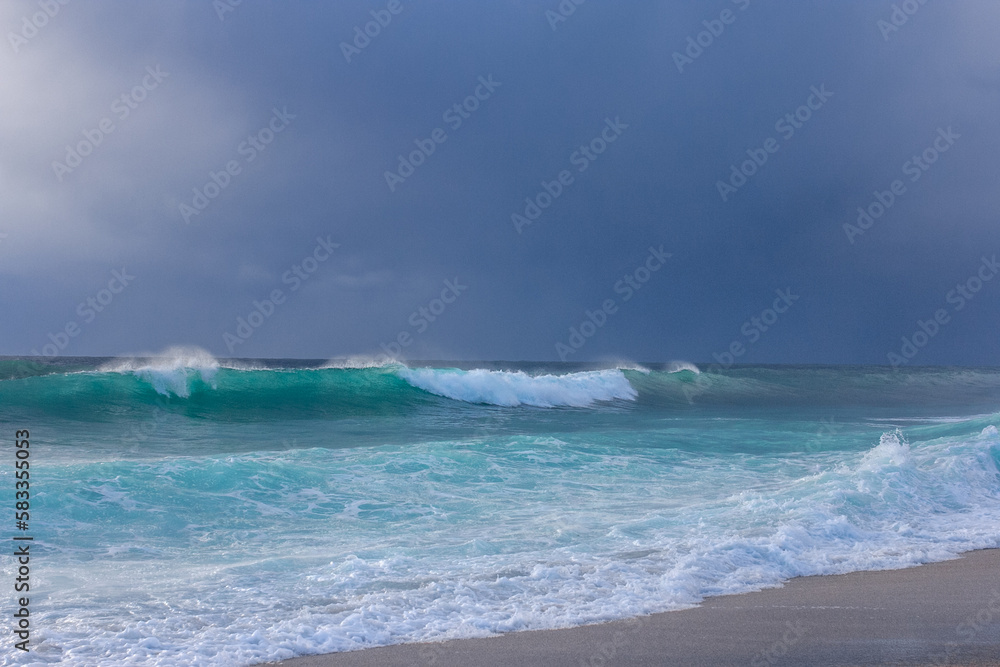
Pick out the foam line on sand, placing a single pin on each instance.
(945, 613)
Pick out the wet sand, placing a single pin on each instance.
(944, 613)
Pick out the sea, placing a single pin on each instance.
(187, 510)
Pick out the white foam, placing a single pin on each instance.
(362, 361)
(508, 388)
(565, 540)
(170, 371)
(634, 367)
(624, 365)
(678, 366)
(239, 365)
(892, 450)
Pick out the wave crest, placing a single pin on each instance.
(173, 371)
(506, 388)
(678, 366)
(892, 451)
(360, 362)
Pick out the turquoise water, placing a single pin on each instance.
(190, 511)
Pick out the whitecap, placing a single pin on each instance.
(509, 388)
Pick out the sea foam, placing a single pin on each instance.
(509, 388)
(300, 510)
(172, 371)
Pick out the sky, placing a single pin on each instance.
(734, 181)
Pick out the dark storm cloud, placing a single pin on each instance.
(878, 97)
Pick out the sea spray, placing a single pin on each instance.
(278, 508)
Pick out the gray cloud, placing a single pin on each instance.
(324, 175)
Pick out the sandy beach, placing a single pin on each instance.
(945, 613)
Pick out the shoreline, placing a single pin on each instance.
(943, 613)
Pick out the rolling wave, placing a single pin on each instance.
(568, 493)
(201, 385)
(511, 389)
